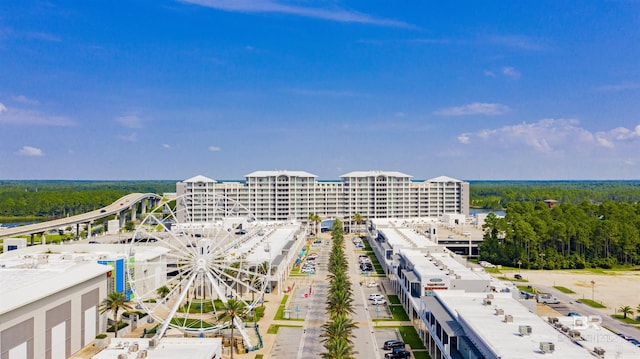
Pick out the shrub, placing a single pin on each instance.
(101, 336)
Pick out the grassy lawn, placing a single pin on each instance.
(591, 303)
(513, 279)
(421, 355)
(563, 289)
(393, 299)
(527, 288)
(280, 311)
(398, 313)
(409, 335)
(191, 323)
(273, 328)
(628, 320)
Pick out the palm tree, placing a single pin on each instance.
(314, 218)
(357, 219)
(232, 310)
(341, 327)
(338, 348)
(340, 302)
(114, 302)
(162, 292)
(626, 310)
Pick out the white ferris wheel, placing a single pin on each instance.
(190, 256)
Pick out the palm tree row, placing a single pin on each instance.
(337, 333)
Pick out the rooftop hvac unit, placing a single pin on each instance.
(489, 296)
(452, 272)
(142, 354)
(508, 318)
(599, 351)
(547, 347)
(122, 356)
(133, 348)
(574, 334)
(499, 311)
(553, 320)
(486, 301)
(153, 342)
(524, 330)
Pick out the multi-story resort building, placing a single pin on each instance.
(293, 195)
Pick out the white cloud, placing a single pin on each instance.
(166, 145)
(517, 42)
(550, 136)
(400, 114)
(627, 86)
(25, 99)
(129, 138)
(214, 148)
(130, 121)
(511, 73)
(464, 138)
(29, 151)
(476, 108)
(17, 116)
(275, 6)
(489, 73)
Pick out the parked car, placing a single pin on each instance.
(372, 284)
(398, 353)
(378, 302)
(546, 298)
(518, 276)
(373, 296)
(392, 344)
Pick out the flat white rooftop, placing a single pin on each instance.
(497, 338)
(167, 348)
(267, 247)
(31, 279)
(592, 336)
(439, 264)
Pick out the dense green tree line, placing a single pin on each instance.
(567, 236)
(498, 194)
(54, 199)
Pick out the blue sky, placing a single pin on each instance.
(171, 89)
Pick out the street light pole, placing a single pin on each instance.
(593, 287)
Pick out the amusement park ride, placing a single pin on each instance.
(206, 243)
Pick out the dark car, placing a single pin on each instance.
(393, 344)
(517, 276)
(398, 353)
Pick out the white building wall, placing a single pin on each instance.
(292, 195)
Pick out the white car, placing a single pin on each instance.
(375, 296)
(372, 284)
(378, 302)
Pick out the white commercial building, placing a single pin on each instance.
(49, 306)
(293, 195)
(461, 324)
(165, 348)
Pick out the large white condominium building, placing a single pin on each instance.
(293, 195)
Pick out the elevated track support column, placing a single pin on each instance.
(134, 209)
(123, 218)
